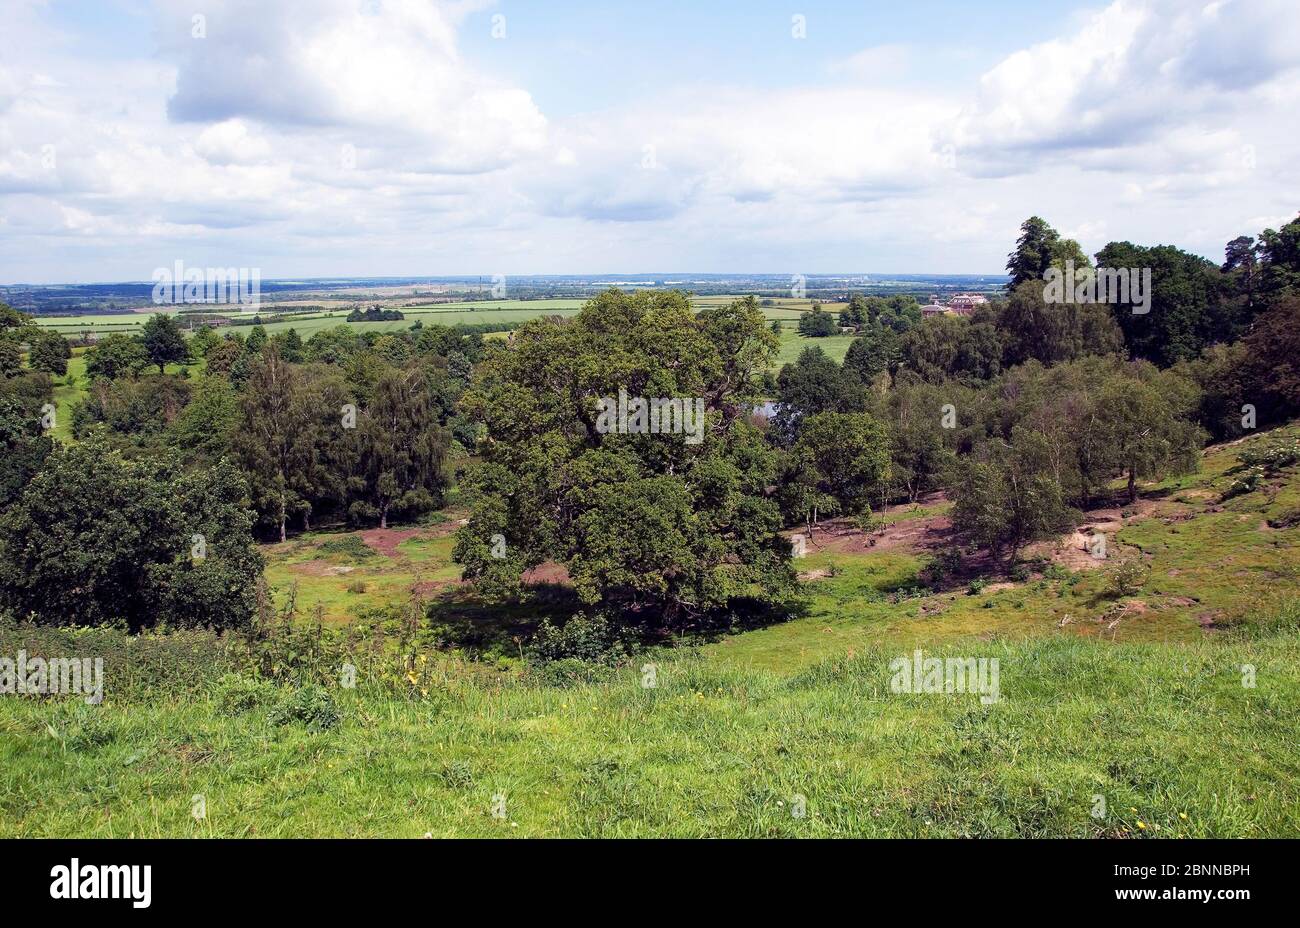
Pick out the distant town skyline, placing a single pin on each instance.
(410, 138)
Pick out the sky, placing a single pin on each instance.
(310, 138)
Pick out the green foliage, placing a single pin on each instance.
(310, 706)
(1273, 453)
(1127, 577)
(1006, 495)
(817, 323)
(1187, 311)
(813, 384)
(96, 539)
(349, 547)
(872, 353)
(594, 639)
(402, 452)
(132, 407)
(237, 693)
(645, 519)
(50, 352)
(23, 447)
(1039, 248)
(116, 356)
(1031, 329)
(844, 456)
(164, 342)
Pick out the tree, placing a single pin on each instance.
(813, 384)
(403, 451)
(872, 353)
(921, 449)
(1039, 248)
(817, 324)
(14, 328)
(1145, 422)
(1032, 329)
(164, 342)
(257, 339)
(1188, 308)
(844, 456)
(1005, 495)
(205, 429)
(1272, 353)
(1280, 258)
(95, 538)
(205, 337)
(50, 352)
(274, 442)
(23, 447)
(660, 524)
(116, 356)
(943, 346)
(11, 357)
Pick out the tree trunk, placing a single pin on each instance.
(284, 516)
(1132, 485)
(383, 517)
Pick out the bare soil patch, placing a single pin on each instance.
(386, 540)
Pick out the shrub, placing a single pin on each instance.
(1127, 577)
(594, 639)
(349, 546)
(1273, 454)
(311, 706)
(976, 587)
(1246, 483)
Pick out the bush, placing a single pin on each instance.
(594, 640)
(1273, 454)
(1248, 482)
(1127, 577)
(311, 706)
(349, 546)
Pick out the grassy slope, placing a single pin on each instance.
(1165, 732)
(1153, 716)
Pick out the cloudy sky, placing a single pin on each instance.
(412, 137)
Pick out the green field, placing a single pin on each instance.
(467, 313)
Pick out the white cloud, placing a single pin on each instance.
(334, 136)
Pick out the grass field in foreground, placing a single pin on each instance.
(1165, 733)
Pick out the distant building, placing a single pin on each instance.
(966, 303)
(960, 304)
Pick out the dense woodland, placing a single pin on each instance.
(1025, 412)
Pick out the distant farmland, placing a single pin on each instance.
(468, 313)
